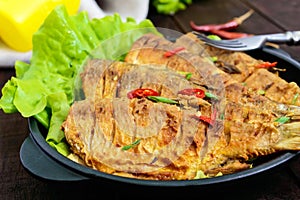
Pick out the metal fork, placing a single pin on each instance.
(252, 42)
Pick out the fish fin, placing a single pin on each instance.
(229, 167)
(289, 136)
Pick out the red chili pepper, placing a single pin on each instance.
(209, 27)
(232, 24)
(193, 92)
(210, 120)
(229, 35)
(141, 92)
(173, 52)
(206, 119)
(266, 65)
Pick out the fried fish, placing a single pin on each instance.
(238, 65)
(174, 139)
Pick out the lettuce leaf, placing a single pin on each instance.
(44, 88)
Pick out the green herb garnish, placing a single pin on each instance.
(214, 37)
(283, 119)
(295, 99)
(162, 99)
(222, 116)
(261, 92)
(210, 95)
(127, 147)
(214, 58)
(188, 76)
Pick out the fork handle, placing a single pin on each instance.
(289, 37)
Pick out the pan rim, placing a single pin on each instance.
(90, 173)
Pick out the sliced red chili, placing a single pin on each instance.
(210, 120)
(204, 119)
(173, 52)
(193, 92)
(266, 65)
(142, 92)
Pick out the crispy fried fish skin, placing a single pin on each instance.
(149, 48)
(173, 145)
(274, 87)
(170, 141)
(269, 107)
(97, 137)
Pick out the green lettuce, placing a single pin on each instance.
(44, 88)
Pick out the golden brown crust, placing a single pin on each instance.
(274, 87)
(171, 143)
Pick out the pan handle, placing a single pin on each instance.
(41, 166)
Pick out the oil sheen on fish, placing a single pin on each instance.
(200, 119)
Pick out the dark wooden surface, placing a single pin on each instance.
(279, 183)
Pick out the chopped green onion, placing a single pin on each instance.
(214, 37)
(295, 99)
(162, 99)
(214, 58)
(283, 119)
(124, 148)
(210, 95)
(261, 92)
(188, 76)
(222, 116)
(182, 72)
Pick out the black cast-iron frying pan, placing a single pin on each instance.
(43, 161)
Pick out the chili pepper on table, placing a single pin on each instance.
(230, 25)
(142, 92)
(229, 35)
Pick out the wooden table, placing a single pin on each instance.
(280, 183)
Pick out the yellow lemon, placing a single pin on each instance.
(19, 19)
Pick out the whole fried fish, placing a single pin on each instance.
(238, 65)
(146, 139)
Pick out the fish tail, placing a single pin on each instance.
(289, 136)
